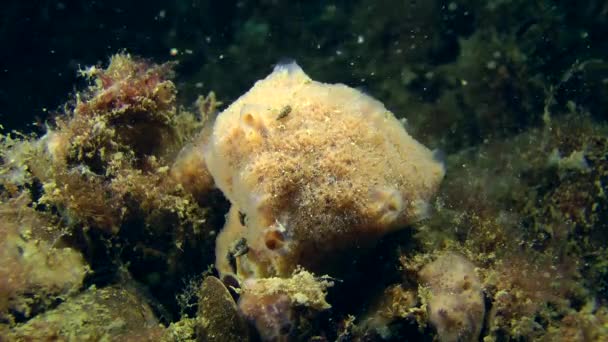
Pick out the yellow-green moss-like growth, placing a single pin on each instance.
(36, 269)
(108, 314)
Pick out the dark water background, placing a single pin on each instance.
(226, 45)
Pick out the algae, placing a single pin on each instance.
(106, 206)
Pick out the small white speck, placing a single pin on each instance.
(198, 85)
(339, 52)
(221, 57)
(173, 52)
(360, 39)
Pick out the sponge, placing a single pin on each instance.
(314, 168)
(455, 302)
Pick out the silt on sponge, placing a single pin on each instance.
(313, 169)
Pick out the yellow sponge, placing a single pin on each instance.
(314, 168)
